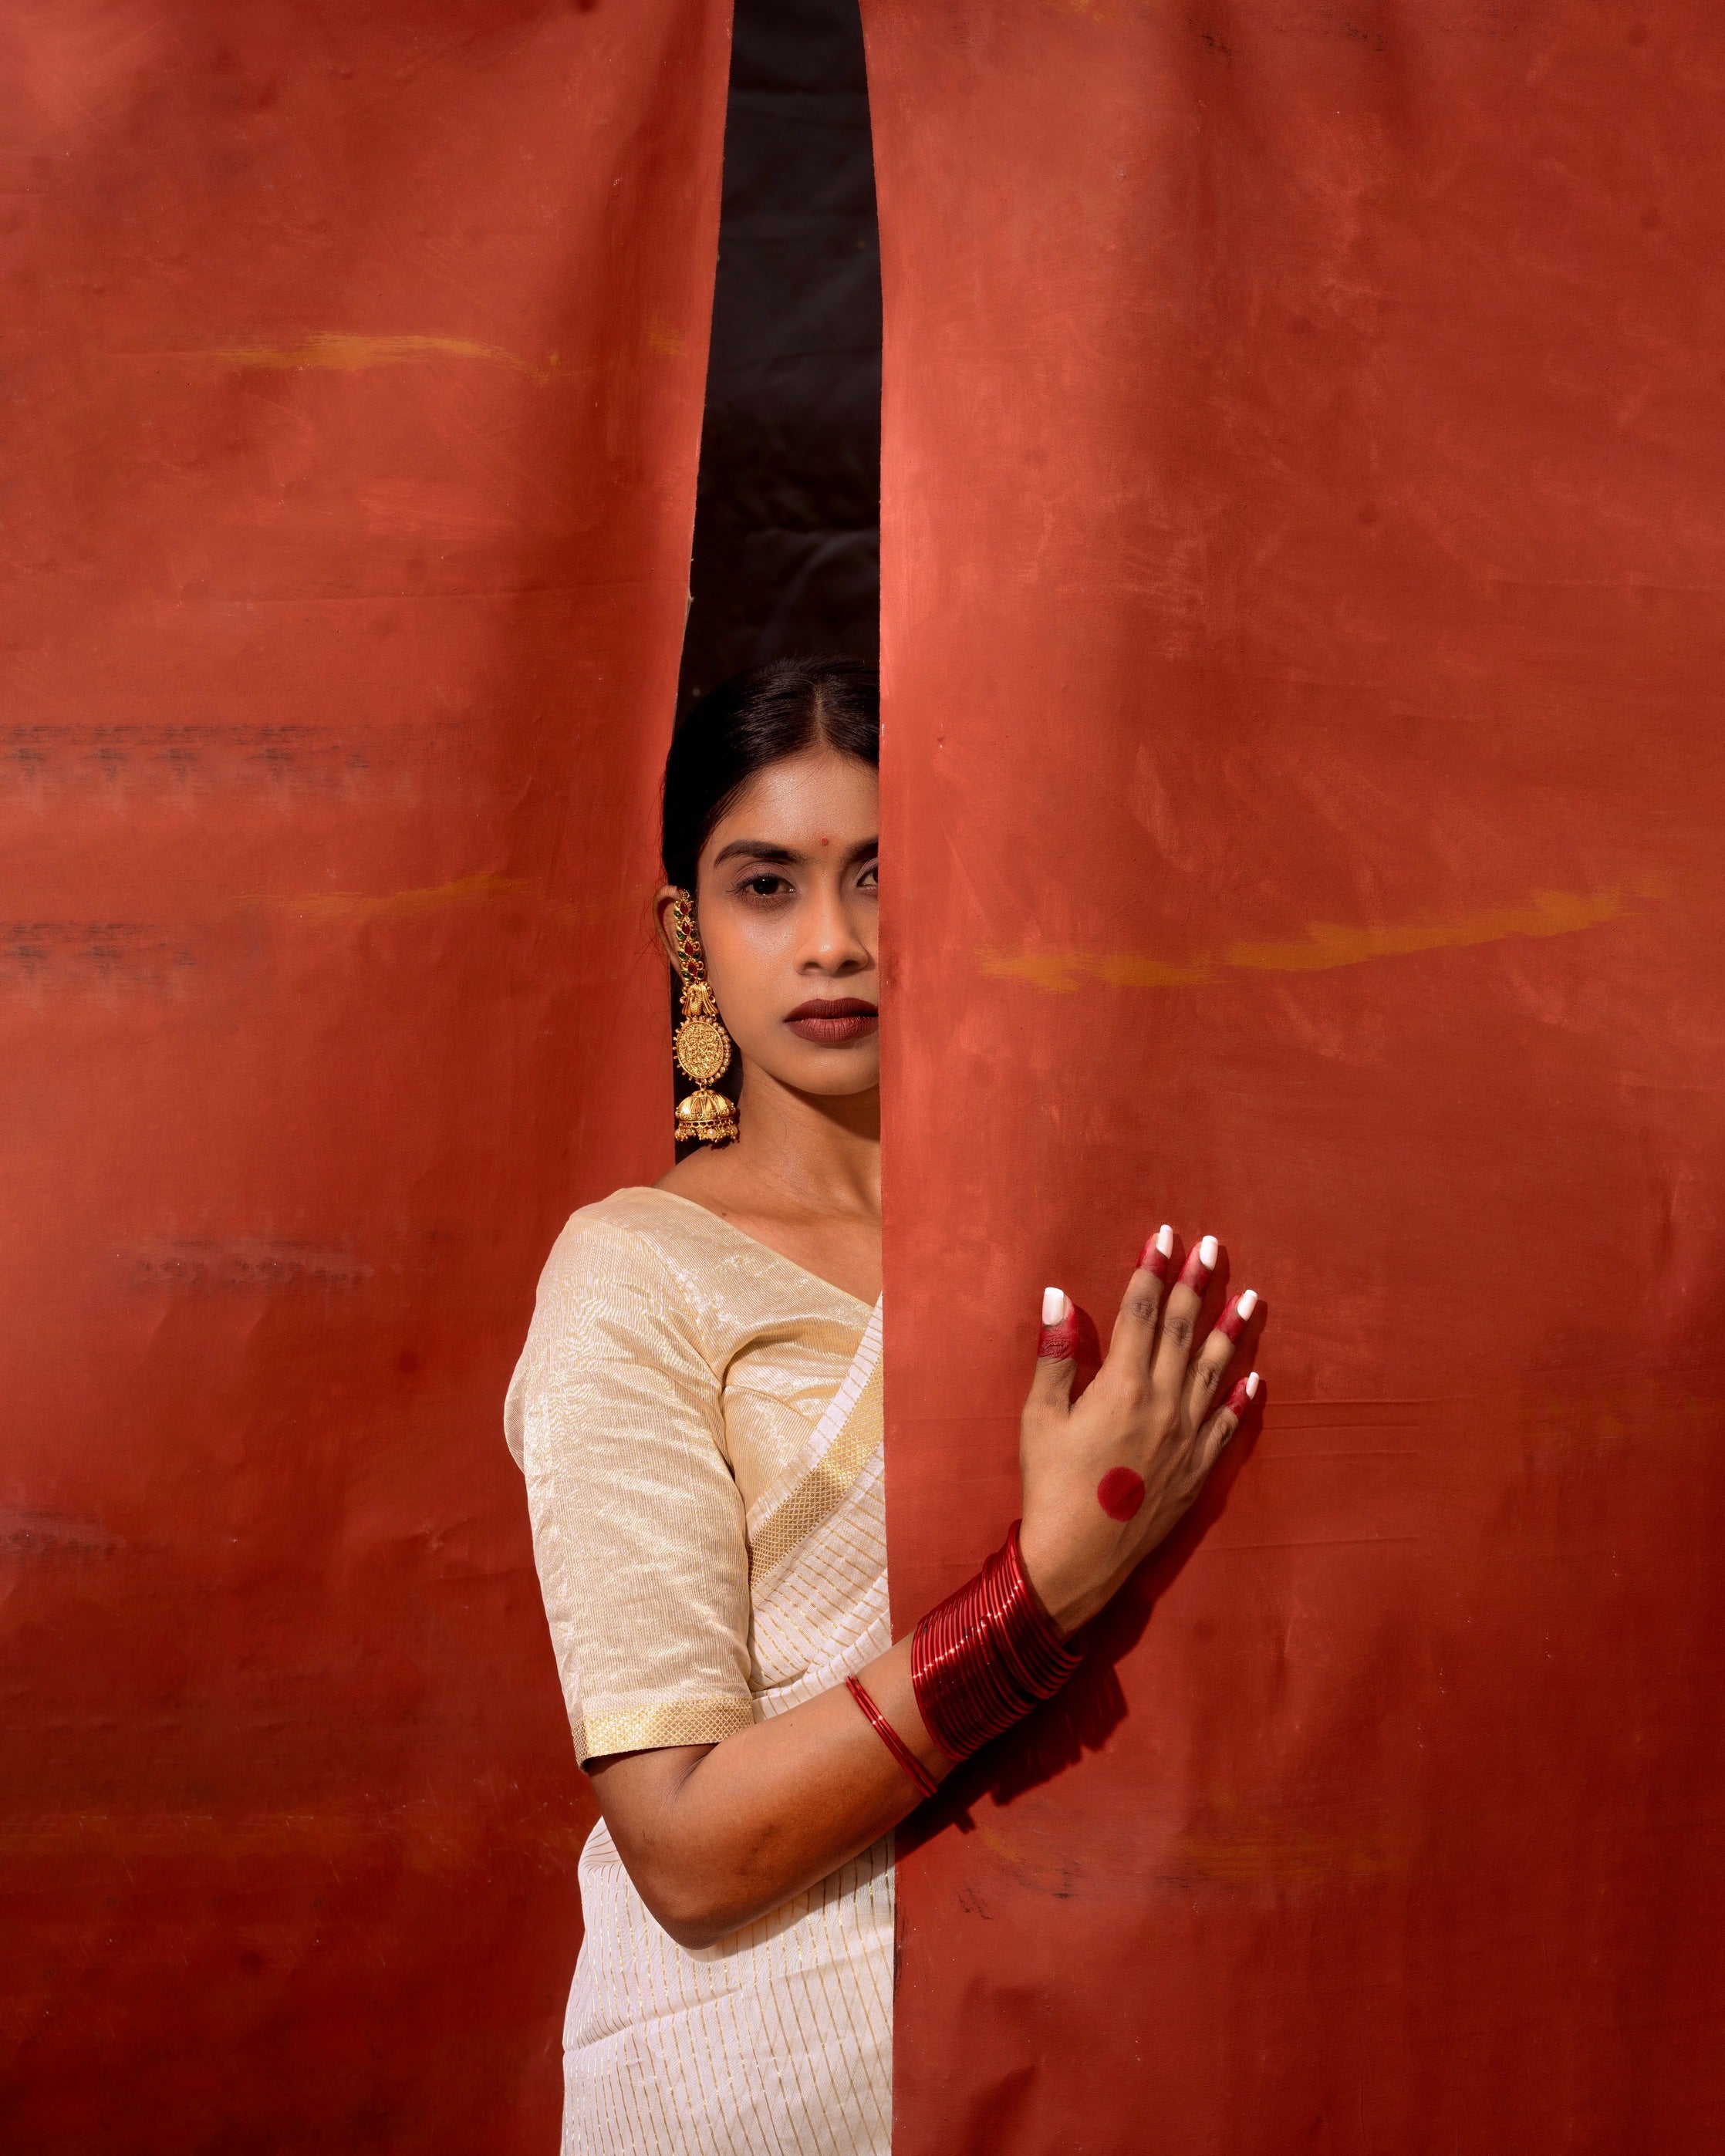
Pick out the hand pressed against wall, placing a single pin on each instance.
(714, 1836)
(1108, 1477)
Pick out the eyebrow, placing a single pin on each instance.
(763, 849)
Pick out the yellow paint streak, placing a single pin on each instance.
(1001, 1845)
(346, 354)
(1276, 1858)
(1323, 948)
(1327, 945)
(343, 905)
(666, 343)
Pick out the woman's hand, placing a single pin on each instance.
(715, 1836)
(1108, 1477)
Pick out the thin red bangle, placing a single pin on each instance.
(891, 1739)
(985, 1656)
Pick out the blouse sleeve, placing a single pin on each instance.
(614, 1416)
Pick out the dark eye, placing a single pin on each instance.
(766, 884)
(869, 880)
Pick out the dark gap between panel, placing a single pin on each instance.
(787, 507)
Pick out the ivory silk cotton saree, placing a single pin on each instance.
(698, 1422)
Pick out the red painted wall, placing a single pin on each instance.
(1302, 624)
(352, 368)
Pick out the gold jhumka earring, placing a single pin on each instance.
(701, 1043)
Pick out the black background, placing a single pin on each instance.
(787, 509)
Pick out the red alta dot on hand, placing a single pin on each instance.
(1120, 1493)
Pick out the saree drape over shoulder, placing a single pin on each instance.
(698, 1422)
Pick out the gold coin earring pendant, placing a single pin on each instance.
(701, 1043)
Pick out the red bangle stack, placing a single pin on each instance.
(986, 1655)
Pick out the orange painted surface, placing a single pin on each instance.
(1301, 621)
(353, 363)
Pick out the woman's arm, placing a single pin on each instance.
(716, 1835)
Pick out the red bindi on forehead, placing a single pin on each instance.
(826, 842)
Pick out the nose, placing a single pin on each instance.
(832, 943)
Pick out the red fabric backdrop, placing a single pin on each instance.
(1301, 621)
(353, 362)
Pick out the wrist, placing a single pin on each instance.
(1067, 1590)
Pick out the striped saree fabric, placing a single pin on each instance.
(699, 1423)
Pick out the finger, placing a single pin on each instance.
(1204, 1385)
(1057, 1350)
(1134, 1334)
(1248, 1392)
(1180, 1319)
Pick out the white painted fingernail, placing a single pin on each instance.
(1252, 1385)
(1165, 1241)
(1209, 1250)
(1055, 1308)
(1247, 1304)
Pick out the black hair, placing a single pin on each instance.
(753, 721)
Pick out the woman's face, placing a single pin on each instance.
(788, 910)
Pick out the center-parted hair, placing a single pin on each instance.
(750, 722)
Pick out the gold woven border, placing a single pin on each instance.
(825, 1488)
(708, 1719)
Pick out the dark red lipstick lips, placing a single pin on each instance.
(832, 1020)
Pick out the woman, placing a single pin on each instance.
(697, 1410)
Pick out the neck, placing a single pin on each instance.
(823, 1151)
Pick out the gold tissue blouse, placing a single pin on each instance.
(663, 1410)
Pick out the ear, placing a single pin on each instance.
(663, 900)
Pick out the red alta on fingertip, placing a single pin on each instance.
(1157, 1255)
(1058, 1340)
(1196, 1271)
(1057, 1343)
(1247, 1394)
(1234, 1320)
